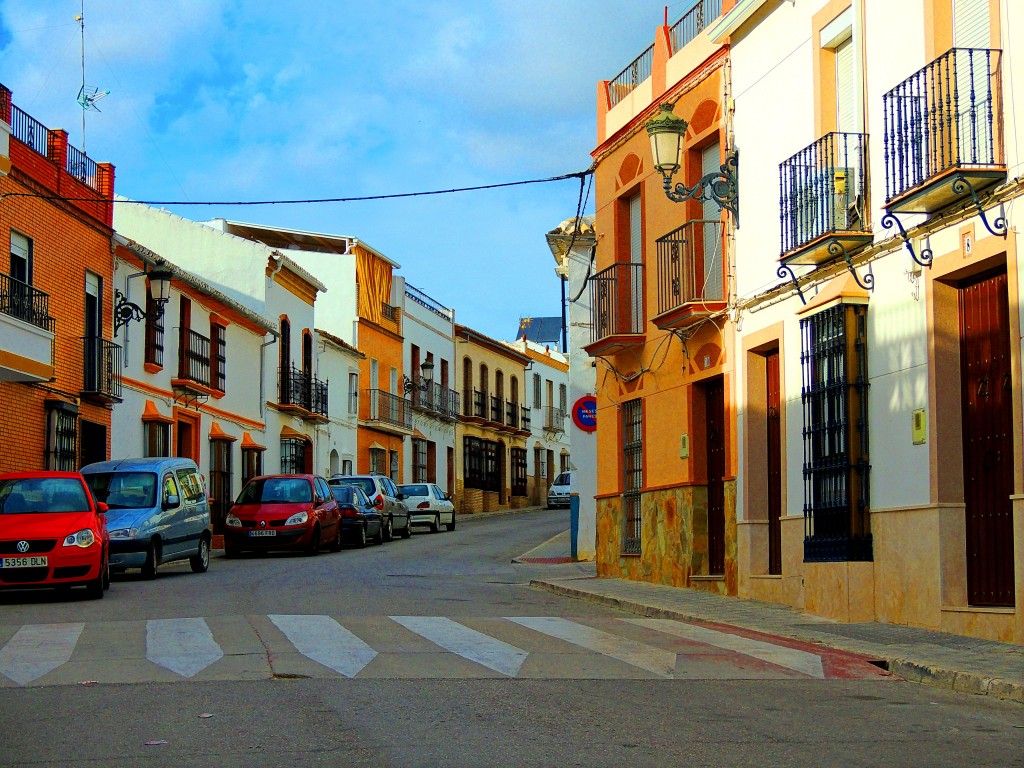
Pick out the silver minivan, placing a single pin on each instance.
(560, 491)
(159, 512)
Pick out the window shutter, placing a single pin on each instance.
(635, 232)
(971, 24)
(711, 161)
(846, 100)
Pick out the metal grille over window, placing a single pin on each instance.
(835, 432)
(633, 474)
(293, 456)
(220, 482)
(419, 461)
(63, 439)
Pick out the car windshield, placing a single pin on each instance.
(40, 495)
(365, 483)
(123, 490)
(276, 490)
(345, 494)
(414, 490)
(562, 479)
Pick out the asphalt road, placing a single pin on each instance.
(457, 662)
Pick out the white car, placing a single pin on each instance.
(429, 505)
(560, 492)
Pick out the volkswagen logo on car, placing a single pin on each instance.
(23, 546)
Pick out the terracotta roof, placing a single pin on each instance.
(339, 342)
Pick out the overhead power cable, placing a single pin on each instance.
(577, 175)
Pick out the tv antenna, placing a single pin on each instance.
(88, 95)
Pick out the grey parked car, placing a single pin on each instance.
(385, 496)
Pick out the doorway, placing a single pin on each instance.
(714, 445)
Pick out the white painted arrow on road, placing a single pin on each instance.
(790, 658)
(37, 649)
(468, 643)
(326, 642)
(184, 646)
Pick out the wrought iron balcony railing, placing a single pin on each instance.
(525, 417)
(628, 79)
(479, 404)
(823, 190)
(512, 414)
(194, 357)
(101, 368)
(946, 116)
(617, 301)
(693, 22)
(304, 390)
(390, 409)
(29, 131)
(554, 418)
(435, 398)
(26, 303)
(690, 265)
(497, 412)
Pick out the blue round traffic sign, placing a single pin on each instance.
(584, 413)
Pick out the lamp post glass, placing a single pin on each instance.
(666, 132)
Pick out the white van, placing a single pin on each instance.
(560, 490)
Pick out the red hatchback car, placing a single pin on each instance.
(283, 512)
(52, 533)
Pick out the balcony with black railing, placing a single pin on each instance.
(101, 368)
(824, 205)
(303, 393)
(480, 403)
(193, 360)
(554, 419)
(389, 411)
(512, 414)
(22, 301)
(434, 399)
(616, 309)
(525, 418)
(693, 22)
(943, 127)
(624, 83)
(26, 332)
(497, 412)
(691, 282)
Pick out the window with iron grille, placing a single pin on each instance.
(378, 460)
(632, 474)
(393, 465)
(480, 464)
(353, 393)
(538, 463)
(518, 458)
(62, 440)
(346, 466)
(562, 399)
(563, 462)
(218, 357)
(157, 438)
(220, 482)
(419, 461)
(293, 456)
(252, 464)
(835, 431)
(154, 334)
(536, 391)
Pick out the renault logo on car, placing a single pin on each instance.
(263, 523)
(23, 546)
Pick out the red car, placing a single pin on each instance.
(52, 533)
(283, 512)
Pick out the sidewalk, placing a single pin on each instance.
(918, 655)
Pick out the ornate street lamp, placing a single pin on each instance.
(410, 385)
(159, 285)
(667, 133)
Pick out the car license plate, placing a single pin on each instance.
(253, 534)
(23, 562)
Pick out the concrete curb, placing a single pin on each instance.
(911, 671)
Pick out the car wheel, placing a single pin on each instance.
(435, 524)
(314, 543)
(336, 542)
(389, 530)
(378, 537)
(200, 561)
(152, 564)
(361, 537)
(106, 577)
(451, 526)
(407, 531)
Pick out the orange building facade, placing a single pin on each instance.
(385, 415)
(59, 368)
(661, 331)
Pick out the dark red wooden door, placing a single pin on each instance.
(774, 455)
(986, 392)
(715, 415)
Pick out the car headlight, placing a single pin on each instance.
(124, 533)
(84, 538)
(297, 519)
(232, 521)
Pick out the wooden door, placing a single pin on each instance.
(986, 393)
(774, 456)
(714, 410)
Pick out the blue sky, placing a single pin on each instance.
(256, 100)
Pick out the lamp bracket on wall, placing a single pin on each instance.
(721, 186)
(189, 398)
(998, 227)
(925, 257)
(786, 271)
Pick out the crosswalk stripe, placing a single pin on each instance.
(326, 642)
(37, 649)
(468, 643)
(184, 646)
(790, 658)
(631, 652)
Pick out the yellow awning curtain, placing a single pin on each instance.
(374, 278)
